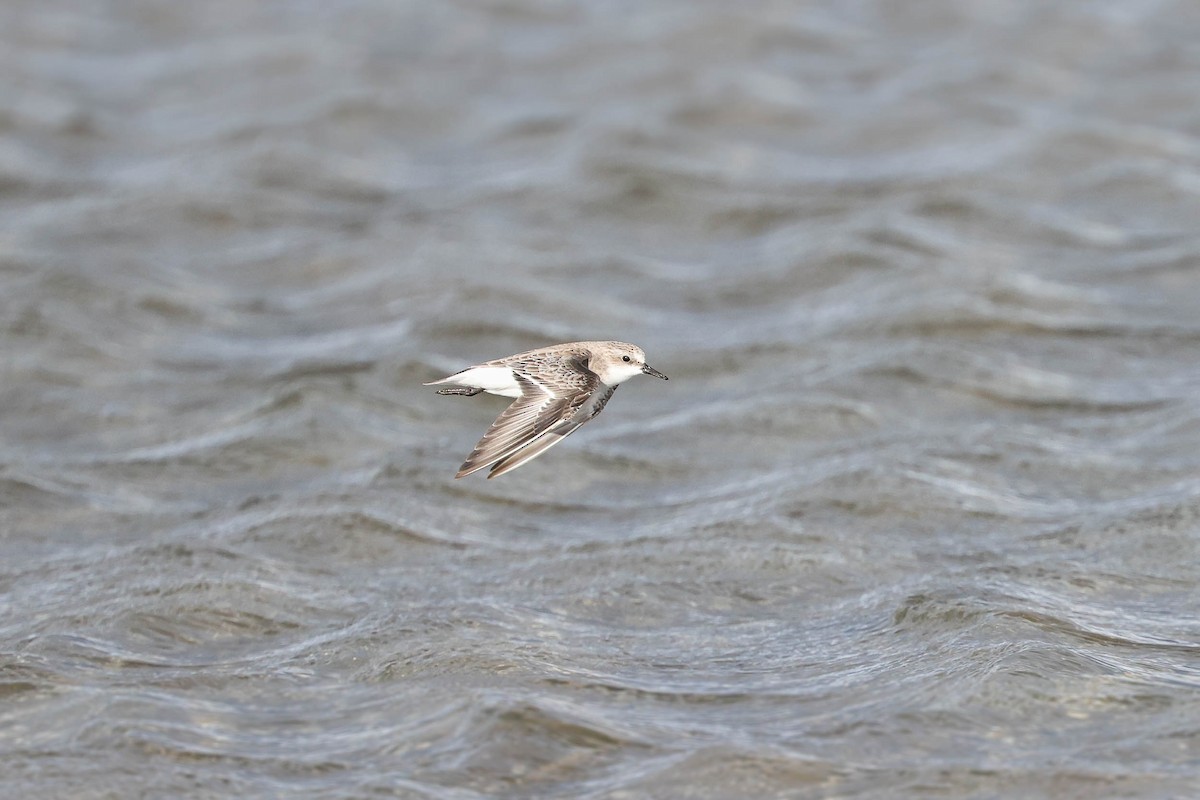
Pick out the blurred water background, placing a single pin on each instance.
(918, 514)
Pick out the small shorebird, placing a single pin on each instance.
(557, 388)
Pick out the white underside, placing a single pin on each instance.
(493, 380)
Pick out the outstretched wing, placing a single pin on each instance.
(551, 394)
(551, 437)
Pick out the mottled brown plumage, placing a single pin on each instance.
(557, 389)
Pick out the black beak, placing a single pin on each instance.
(649, 370)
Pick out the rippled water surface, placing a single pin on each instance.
(918, 514)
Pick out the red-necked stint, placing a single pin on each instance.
(557, 388)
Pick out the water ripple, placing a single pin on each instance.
(916, 515)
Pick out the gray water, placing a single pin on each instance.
(918, 514)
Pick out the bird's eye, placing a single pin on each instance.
(624, 358)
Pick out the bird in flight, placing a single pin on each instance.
(557, 389)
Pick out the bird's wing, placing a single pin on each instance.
(549, 438)
(550, 395)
